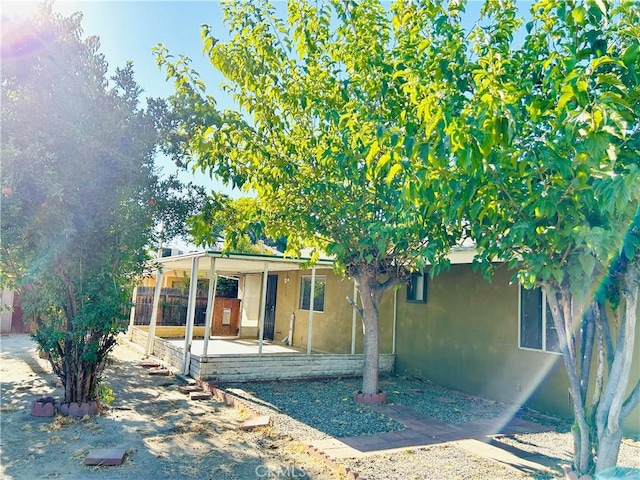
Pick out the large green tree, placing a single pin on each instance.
(80, 195)
(547, 149)
(326, 135)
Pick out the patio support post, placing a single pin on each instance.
(263, 305)
(211, 299)
(191, 313)
(154, 313)
(395, 320)
(132, 314)
(354, 317)
(312, 298)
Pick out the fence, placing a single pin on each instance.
(173, 306)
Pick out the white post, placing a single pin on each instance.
(263, 305)
(354, 317)
(132, 314)
(211, 299)
(312, 298)
(395, 320)
(154, 313)
(191, 313)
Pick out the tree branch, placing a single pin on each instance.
(355, 307)
(632, 402)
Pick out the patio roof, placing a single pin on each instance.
(239, 263)
(246, 263)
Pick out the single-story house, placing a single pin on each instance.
(457, 330)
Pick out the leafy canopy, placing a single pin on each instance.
(329, 138)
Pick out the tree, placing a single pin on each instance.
(79, 191)
(548, 149)
(326, 137)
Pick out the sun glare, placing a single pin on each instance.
(14, 10)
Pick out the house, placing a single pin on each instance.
(457, 330)
(278, 334)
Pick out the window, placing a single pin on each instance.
(318, 296)
(417, 288)
(537, 330)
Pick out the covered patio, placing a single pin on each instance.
(250, 355)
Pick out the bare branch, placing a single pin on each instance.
(355, 307)
(632, 402)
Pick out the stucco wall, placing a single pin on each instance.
(6, 312)
(332, 329)
(249, 290)
(466, 338)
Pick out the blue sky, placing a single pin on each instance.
(129, 29)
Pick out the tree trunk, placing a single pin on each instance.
(563, 321)
(608, 448)
(370, 350)
(610, 411)
(370, 304)
(371, 290)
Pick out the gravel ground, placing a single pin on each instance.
(314, 410)
(171, 437)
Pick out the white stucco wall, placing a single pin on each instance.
(6, 311)
(249, 289)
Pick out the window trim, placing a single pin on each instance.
(543, 326)
(319, 278)
(424, 288)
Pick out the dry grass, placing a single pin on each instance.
(243, 412)
(59, 422)
(8, 408)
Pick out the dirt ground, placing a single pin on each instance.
(166, 435)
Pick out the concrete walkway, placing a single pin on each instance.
(479, 438)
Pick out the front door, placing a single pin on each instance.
(270, 307)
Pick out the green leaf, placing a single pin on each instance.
(393, 171)
(588, 263)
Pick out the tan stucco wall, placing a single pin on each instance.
(332, 329)
(466, 338)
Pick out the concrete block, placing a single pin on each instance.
(149, 364)
(105, 456)
(190, 388)
(200, 395)
(255, 422)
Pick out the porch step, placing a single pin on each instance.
(200, 395)
(190, 388)
(149, 364)
(159, 372)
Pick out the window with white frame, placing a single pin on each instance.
(417, 288)
(537, 330)
(318, 296)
